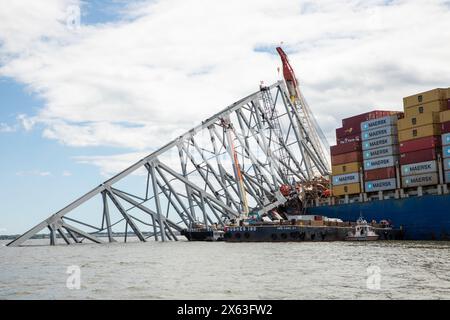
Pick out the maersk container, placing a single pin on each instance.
(379, 142)
(380, 152)
(378, 163)
(427, 179)
(355, 156)
(446, 139)
(379, 132)
(446, 152)
(419, 156)
(380, 185)
(447, 164)
(346, 179)
(419, 168)
(445, 127)
(420, 144)
(380, 174)
(345, 148)
(378, 123)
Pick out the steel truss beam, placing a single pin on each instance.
(192, 179)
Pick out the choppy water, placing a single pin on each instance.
(201, 270)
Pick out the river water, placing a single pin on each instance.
(203, 270)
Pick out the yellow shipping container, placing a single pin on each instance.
(417, 121)
(424, 97)
(419, 132)
(346, 168)
(445, 116)
(353, 188)
(435, 106)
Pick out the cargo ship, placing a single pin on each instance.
(396, 166)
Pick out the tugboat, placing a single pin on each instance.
(362, 232)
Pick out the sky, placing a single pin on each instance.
(88, 87)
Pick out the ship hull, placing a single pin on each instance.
(421, 218)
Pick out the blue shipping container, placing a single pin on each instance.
(447, 164)
(380, 142)
(446, 139)
(378, 163)
(377, 123)
(346, 179)
(446, 151)
(419, 168)
(380, 152)
(380, 185)
(379, 132)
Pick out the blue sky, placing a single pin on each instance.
(80, 104)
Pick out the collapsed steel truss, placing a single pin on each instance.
(193, 178)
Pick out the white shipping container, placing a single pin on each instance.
(379, 132)
(379, 163)
(381, 152)
(427, 179)
(346, 179)
(446, 139)
(379, 142)
(380, 122)
(380, 185)
(419, 168)
(446, 152)
(447, 164)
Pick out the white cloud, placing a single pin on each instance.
(6, 128)
(38, 173)
(66, 173)
(139, 82)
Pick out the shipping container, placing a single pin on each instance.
(346, 132)
(417, 121)
(420, 144)
(381, 152)
(355, 156)
(380, 185)
(447, 177)
(424, 97)
(379, 133)
(345, 148)
(355, 121)
(346, 179)
(435, 106)
(419, 132)
(346, 168)
(446, 139)
(352, 138)
(447, 164)
(427, 179)
(419, 168)
(445, 116)
(446, 151)
(380, 122)
(380, 174)
(353, 188)
(378, 163)
(445, 127)
(419, 156)
(379, 142)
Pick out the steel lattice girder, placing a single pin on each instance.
(191, 178)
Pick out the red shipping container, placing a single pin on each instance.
(379, 174)
(344, 132)
(354, 122)
(445, 127)
(348, 139)
(420, 144)
(355, 156)
(419, 156)
(345, 148)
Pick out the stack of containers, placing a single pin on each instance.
(346, 156)
(445, 128)
(419, 136)
(380, 153)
